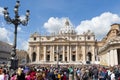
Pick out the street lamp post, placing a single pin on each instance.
(16, 21)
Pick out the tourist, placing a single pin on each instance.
(6, 74)
(20, 74)
(14, 76)
(112, 75)
(32, 74)
(1, 74)
(27, 76)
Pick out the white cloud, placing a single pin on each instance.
(4, 35)
(22, 17)
(24, 45)
(1, 11)
(19, 28)
(100, 25)
(54, 24)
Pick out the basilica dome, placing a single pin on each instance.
(67, 29)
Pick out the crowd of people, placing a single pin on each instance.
(61, 72)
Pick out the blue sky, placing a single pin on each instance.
(48, 16)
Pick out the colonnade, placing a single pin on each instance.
(63, 51)
(112, 57)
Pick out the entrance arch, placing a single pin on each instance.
(33, 56)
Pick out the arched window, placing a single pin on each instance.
(88, 37)
(34, 57)
(34, 38)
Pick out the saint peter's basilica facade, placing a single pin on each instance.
(67, 47)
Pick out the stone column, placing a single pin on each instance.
(53, 52)
(111, 58)
(57, 53)
(84, 54)
(44, 53)
(68, 52)
(93, 55)
(115, 57)
(108, 57)
(38, 54)
(63, 53)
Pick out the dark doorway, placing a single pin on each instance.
(48, 57)
(73, 57)
(89, 56)
(65, 58)
(34, 57)
(118, 54)
(55, 59)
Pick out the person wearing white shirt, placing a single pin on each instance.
(112, 76)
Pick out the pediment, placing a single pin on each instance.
(60, 40)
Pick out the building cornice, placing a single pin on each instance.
(109, 44)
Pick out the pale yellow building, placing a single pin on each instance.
(109, 53)
(64, 47)
(67, 47)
